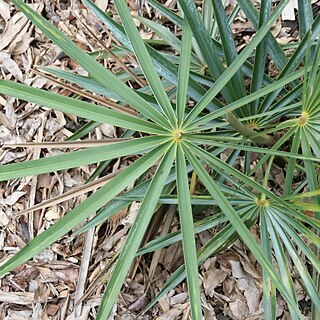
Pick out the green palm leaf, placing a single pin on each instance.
(103, 76)
(242, 230)
(78, 158)
(136, 233)
(187, 230)
(79, 108)
(83, 210)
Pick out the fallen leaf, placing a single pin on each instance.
(4, 10)
(239, 310)
(13, 198)
(10, 65)
(52, 309)
(13, 27)
(213, 279)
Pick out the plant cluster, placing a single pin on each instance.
(271, 118)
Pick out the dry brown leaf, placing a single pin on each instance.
(139, 304)
(23, 43)
(53, 214)
(239, 310)
(275, 30)
(4, 10)
(20, 298)
(172, 257)
(22, 40)
(179, 298)
(102, 4)
(288, 12)
(5, 121)
(13, 27)
(213, 279)
(9, 65)
(246, 283)
(12, 198)
(108, 130)
(4, 221)
(285, 40)
(164, 304)
(250, 268)
(52, 309)
(24, 277)
(173, 313)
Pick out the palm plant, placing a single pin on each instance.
(183, 140)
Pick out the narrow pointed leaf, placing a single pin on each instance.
(229, 47)
(238, 224)
(164, 67)
(222, 240)
(243, 101)
(78, 158)
(282, 263)
(76, 107)
(188, 239)
(83, 210)
(145, 60)
(206, 46)
(276, 52)
(293, 63)
(305, 16)
(204, 139)
(135, 235)
(102, 75)
(269, 290)
(260, 54)
(184, 69)
(235, 65)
